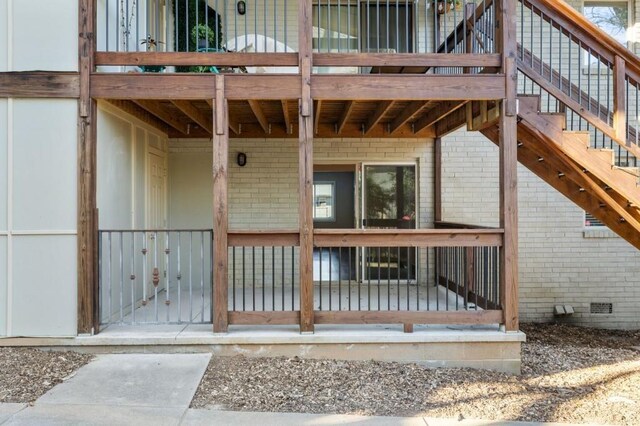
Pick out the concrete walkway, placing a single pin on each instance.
(149, 389)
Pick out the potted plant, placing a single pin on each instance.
(151, 45)
(444, 6)
(204, 37)
(206, 40)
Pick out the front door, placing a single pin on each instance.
(334, 207)
(389, 202)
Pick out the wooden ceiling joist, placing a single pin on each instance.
(381, 111)
(259, 113)
(285, 114)
(188, 109)
(157, 110)
(435, 114)
(344, 118)
(407, 114)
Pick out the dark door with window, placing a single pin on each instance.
(334, 207)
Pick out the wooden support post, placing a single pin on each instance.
(87, 210)
(408, 328)
(220, 209)
(470, 273)
(305, 169)
(506, 15)
(437, 179)
(619, 99)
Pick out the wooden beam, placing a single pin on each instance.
(40, 84)
(305, 166)
(408, 87)
(224, 59)
(193, 86)
(220, 284)
(194, 114)
(286, 116)
(381, 111)
(437, 113)
(407, 237)
(406, 317)
(318, 113)
(87, 221)
(620, 100)
(437, 179)
(259, 113)
(507, 42)
(233, 125)
(413, 60)
(154, 108)
(406, 114)
(264, 318)
(344, 118)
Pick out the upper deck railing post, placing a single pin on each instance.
(305, 168)
(220, 253)
(507, 45)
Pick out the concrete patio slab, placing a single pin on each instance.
(7, 410)
(63, 414)
(143, 380)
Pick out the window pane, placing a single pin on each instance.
(613, 18)
(324, 201)
(335, 28)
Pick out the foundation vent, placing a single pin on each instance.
(601, 308)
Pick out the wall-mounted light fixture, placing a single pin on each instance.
(242, 159)
(242, 7)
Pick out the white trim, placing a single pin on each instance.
(44, 232)
(9, 215)
(115, 111)
(10, 35)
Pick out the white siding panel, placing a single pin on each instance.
(44, 157)
(4, 48)
(190, 191)
(45, 35)
(114, 171)
(3, 286)
(44, 297)
(4, 166)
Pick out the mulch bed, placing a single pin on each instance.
(570, 374)
(26, 373)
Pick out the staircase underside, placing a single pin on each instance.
(584, 175)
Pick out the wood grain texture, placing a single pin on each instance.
(87, 220)
(264, 318)
(264, 238)
(406, 60)
(188, 109)
(41, 84)
(404, 317)
(408, 237)
(408, 87)
(223, 59)
(220, 209)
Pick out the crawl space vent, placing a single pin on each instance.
(602, 308)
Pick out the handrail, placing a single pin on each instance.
(583, 29)
(458, 33)
(624, 66)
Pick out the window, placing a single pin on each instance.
(324, 205)
(611, 16)
(591, 222)
(365, 27)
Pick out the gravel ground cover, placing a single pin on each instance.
(26, 374)
(570, 374)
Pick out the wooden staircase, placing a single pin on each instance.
(587, 176)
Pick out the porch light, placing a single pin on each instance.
(242, 8)
(242, 159)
